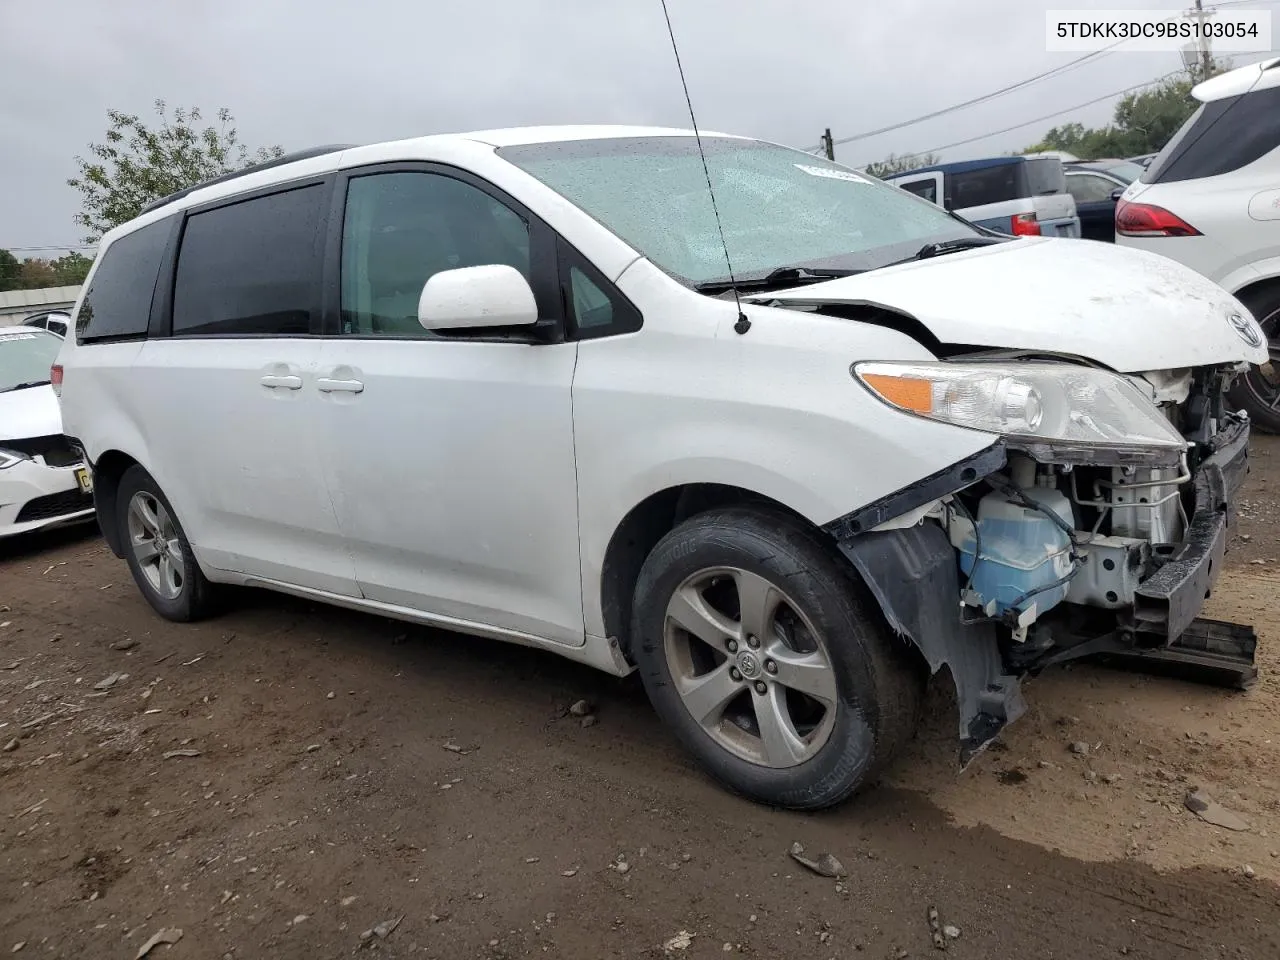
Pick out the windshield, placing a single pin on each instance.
(26, 356)
(778, 207)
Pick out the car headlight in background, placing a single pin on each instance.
(9, 457)
(1047, 405)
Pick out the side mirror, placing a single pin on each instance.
(494, 295)
(1117, 193)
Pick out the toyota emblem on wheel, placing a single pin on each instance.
(1247, 328)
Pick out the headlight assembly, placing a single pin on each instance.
(10, 457)
(1058, 412)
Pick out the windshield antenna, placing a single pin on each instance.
(743, 324)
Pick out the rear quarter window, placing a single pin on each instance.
(1221, 137)
(117, 304)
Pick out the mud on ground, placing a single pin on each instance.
(280, 781)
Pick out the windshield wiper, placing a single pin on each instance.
(951, 246)
(781, 277)
(24, 386)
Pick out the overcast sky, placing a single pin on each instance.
(305, 72)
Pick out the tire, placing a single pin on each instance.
(824, 634)
(174, 585)
(1256, 391)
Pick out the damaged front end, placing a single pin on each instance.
(1095, 527)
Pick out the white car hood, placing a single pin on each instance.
(1128, 309)
(32, 412)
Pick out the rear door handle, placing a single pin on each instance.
(287, 383)
(326, 385)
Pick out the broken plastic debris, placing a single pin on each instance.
(825, 866)
(168, 935)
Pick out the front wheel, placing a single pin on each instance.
(1258, 391)
(757, 645)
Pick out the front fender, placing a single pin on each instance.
(913, 575)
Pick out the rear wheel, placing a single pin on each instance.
(758, 647)
(158, 552)
(1258, 391)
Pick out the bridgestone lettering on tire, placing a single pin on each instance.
(757, 644)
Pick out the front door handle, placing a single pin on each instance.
(287, 383)
(326, 385)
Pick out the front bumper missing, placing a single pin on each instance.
(913, 574)
(1169, 600)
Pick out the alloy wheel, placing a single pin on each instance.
(750, 667)
(155, 544)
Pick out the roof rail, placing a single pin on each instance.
(253, 168)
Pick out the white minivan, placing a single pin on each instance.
(507, 383)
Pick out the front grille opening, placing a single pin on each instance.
(55, 505)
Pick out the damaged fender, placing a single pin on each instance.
(913, 574)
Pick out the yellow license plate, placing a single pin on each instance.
(85, 479)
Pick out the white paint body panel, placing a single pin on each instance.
(1127, 309)
(32, 412)
(453, 478)
(239, 461)
(477, 485)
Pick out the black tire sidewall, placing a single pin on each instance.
(780, 550)
(1264, 305)
(187, 605)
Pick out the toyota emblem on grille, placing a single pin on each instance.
(1247, 328)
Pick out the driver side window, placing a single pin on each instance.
(400, 229)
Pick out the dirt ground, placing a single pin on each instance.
(278, 782)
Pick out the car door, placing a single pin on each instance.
(450, 456)
(1095, 197)
(226, 390)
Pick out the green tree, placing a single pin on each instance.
(37, 274)
(137, 163)
(1143, 122)
(895, 164)
(70, 270)
(10, 271)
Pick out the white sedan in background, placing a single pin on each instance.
(43, 480)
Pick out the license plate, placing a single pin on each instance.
(84, 479)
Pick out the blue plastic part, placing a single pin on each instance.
(1022, 550)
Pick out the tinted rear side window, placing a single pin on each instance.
(1044, 177)
(252, 267)
(1220, 137)
(117, 304)
(974, 188)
